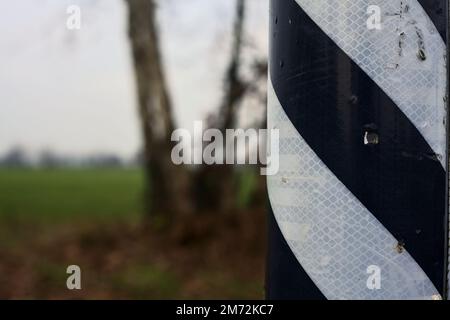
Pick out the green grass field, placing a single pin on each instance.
(50, 219)
(61, 195)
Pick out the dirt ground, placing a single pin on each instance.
(214, 257)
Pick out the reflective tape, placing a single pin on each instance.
(390, 56)
(333, 236)
(362, 118)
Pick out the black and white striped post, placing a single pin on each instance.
(358, 90)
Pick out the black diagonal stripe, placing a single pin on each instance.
(285, 277)
(436, 10)
(332, 103)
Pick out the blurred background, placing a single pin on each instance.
(86, 114)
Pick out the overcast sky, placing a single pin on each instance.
(73, 91)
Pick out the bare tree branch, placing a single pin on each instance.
(234, 88)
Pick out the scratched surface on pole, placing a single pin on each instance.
(417, 85)
(333, 236)
(337, 223)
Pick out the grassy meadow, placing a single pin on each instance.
(59, 195)
(52, 218)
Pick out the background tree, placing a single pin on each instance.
(167, 189)
(178, 190)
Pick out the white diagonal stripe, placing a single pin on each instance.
(334, 237)
(417, 87)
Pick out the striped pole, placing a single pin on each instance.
(359, 206)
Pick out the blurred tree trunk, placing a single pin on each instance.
(234, 86)
(215, 185)
(176, 190)
(167, 190)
